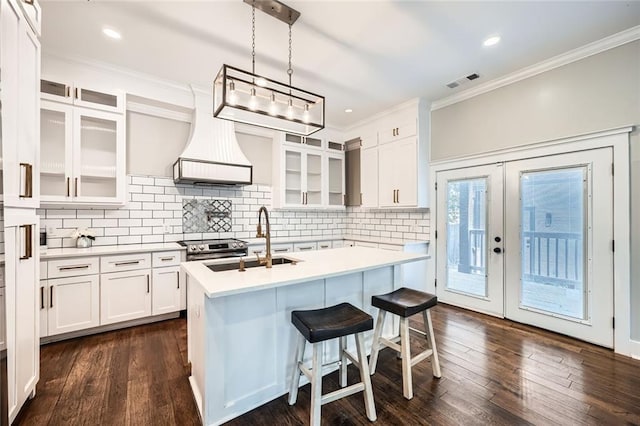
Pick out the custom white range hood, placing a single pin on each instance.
(212, 155)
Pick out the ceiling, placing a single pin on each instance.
(364, 55)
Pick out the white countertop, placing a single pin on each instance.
(312, 265)
(105, 250)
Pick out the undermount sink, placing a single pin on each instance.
(235, 264)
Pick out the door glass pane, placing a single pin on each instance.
(466, 236)
(552, 240)
(293, 177)
(314, 179)
(52, 152)
(98, 150)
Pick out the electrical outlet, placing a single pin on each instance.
(167, 227)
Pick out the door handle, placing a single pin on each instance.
(497, 239)
(28, 247)
(497, 250)
(28, 180)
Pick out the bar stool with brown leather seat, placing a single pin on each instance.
(405, 302)
(317, 326)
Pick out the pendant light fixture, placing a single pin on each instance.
(247, 97)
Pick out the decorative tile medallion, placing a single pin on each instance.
(206, 216)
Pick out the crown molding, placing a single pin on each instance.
(156, 111)
(607, 43)
(415, 102)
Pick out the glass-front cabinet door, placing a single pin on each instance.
(55, 151)
(293, 177)
(96, 156)
(313, 193)
(335, 172)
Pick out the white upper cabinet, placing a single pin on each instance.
(33, 14)
(309, 171)
(76, 94)
(394, 166)
(82, 156)
(20, 62)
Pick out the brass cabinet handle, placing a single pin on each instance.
(397, 131)
(324, 247)
(41, 298)
(30, 2)
(305, 248)
(394, 196)
(398, 196)
(178, 279)
(76, 188)
(361, 198)
(281, 250)
(28, 180)
(131, 262)
(28, 247)
(148, 288)
(76, 93)
(51, 297)
(302, 202)
(68, 187)
(68, 91)
(70, 268)
(165, 259)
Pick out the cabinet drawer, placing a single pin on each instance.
(166, 258)
(125, 262)
(323, 245)
(73, 267)
(305, 246)
(281, 248)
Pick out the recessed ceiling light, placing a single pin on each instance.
(491, 41)
(111, 33)
(348, 110)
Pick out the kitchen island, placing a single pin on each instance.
(240, 337)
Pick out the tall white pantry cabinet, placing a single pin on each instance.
(20, 139)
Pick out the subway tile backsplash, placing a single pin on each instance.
(154, 214)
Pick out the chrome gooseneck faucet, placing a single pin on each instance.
(259, 234)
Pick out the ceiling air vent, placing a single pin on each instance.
(463, 80)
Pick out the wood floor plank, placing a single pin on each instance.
(494, 372)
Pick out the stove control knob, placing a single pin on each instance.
(192, 248)
(201, 247)
(234, 245)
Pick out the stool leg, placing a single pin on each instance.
(316, 384)
(375, 345)
(435, 364)
(343, 361)
(405, 345)
(369, 405)
(295, 375)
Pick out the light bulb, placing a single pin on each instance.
(261, 82)
(305, 115)
(273, 108)
(232, 93)
(253, 101)
(290, 109)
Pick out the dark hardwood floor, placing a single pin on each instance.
(493, 372)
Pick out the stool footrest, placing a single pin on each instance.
(418, 331)
(421, 356)
(341, 393)
(390, 344)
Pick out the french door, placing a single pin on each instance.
(545, 247)
(470, 228)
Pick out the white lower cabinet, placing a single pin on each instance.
(3, 337)
(71, 304)
(167, 291)
(125, 296)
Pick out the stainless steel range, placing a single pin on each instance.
(214, 249)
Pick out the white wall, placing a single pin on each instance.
(596, 93)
